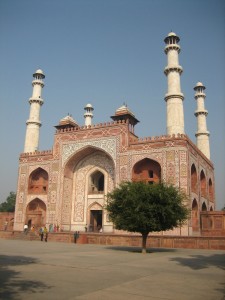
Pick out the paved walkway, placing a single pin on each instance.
(39, 270)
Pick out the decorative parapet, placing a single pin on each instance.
(158, 138)
(171, 139)
(100, 125)
(36, 153)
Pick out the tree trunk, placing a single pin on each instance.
(144, 240)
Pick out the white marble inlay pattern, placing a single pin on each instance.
(106, 144)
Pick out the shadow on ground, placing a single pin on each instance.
(197, 262)
(139, 249)
(10, 283)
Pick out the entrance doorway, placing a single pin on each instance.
(95, 220)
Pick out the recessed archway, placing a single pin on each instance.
(211, 192)
(96, 183)
(87, 173)
(38, 182)
(203, 184)
(95, 217)
(195, 216)
(204, 207)
(194, 180)
(147, 170)
(36, 213)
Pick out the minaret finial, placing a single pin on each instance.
(88, 115)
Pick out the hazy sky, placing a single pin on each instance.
(107, 52)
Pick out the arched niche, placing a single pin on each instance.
(36, 213)
(38, 182)
(194, 179)
(95, 217)
(211, 209)
(84, 167)
(203, 184)
(195, 216)
(211, 190)
(75, 159)
(194, 205)
(147, 170)
(96, 183)
(204, 207)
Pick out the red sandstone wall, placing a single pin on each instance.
(213, 223)
(6, 217)
(211, 243)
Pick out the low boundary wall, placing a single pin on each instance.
(189, 242)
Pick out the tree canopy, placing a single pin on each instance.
(141, 207)
(9, 204)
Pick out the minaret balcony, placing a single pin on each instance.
(38, 123)
(201, 112)
(198, 133)
(169, 69)
(36, 100)
(38, 82)
(172, 96)
(172, 47)
(198, 95)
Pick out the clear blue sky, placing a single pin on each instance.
(106, 52)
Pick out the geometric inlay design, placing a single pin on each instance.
(106, 144)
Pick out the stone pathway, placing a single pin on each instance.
(63, 271)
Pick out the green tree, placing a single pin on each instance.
(141, 207)
(9, 204)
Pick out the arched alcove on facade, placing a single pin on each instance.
(211, 191)
(38, 182)
(36, 213)
(96, 183)
(88, 176)
(195, 216)
(211, 209)
(194, 179)
(204, 207)
(203, 184)
(147, 170)
(95, 216)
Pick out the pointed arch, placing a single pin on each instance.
(38, 182)
(211, 190)
(95, 217)
(204, 207)
(36, 213)
(203, 184)
(76, 194)
(96, 182)
(195, 216)
(194, 179)
(194, 205)
(147, 170)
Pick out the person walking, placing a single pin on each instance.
(41, 233)
(46, 233)
(25, 228)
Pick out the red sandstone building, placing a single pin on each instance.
(67, 186)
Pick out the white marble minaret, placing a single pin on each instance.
(174, 98)
(34, 124)
(88, 115)
(202, 134)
